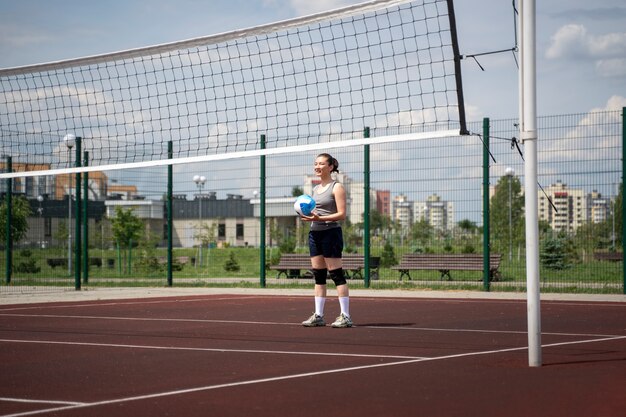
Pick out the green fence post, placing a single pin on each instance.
(486, 241)
(8, 235)
(366, 210)
(263, 261)
(77, 240)
(623, 205)
(86, 221)
(170, 177)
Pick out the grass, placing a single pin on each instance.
(586, 277)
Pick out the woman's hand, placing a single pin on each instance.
(314, 217)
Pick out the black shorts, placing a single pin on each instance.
(328, 243)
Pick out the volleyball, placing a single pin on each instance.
(304, 205)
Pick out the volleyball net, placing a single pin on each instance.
(392, 66)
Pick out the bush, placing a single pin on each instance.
(231, 263)
(553, 253)
(388, 257)
(27, 264)
(468, 249)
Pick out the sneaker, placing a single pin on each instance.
(342, 321)
(314, 321)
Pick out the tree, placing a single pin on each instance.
(296, 191)
(126, 227)
(379, 223)
(388, 256)
(499, 213)
(206, 233)
(467, 226)
(19, 219)
(557, 251)
(421, 232)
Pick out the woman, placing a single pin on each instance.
(326, 241)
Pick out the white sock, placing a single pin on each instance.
(319, 306)
(344, 303)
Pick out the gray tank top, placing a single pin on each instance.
(325, 204)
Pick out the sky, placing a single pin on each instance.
(581, 45)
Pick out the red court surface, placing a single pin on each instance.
(248, 355)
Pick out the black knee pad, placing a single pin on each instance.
(320, 276)
(337, 276)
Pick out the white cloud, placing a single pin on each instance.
(306, 7)
(14, 36)
(611, 67)
(574, 41)
(613, 103)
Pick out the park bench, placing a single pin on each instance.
(291, 264)
(608, 256)
(54, 262)
(444, 263)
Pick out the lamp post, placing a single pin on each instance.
(255, 194)
(69, 141)
(199, 180)
(613, 248)
(510, 172)
(40, 211)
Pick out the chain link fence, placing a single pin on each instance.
(425, 198)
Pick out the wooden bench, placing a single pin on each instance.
(444, 263)
(54, 262)
(354, 265)
(97, 262)
(291, 265)
(608, 256)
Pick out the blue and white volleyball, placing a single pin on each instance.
(304, 205)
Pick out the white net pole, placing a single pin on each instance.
(528, 134)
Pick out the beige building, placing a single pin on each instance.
(438, 213)
(571, 207)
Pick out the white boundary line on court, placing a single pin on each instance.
(274, 323)
(287, 377)
(184, 298)
(128, 302)
(201, 349)
(22, 400)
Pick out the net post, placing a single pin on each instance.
(366, 209)
(486, 223)
(623, 213)
(77, 240)
(8, 235)
(170, 177)
(262, 264)
(86, 220)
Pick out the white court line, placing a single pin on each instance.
(435, 329)
(135, 302)
(199, 349)
(287, 377)
(273, 323)
(24, 400)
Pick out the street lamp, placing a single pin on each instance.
(40, 211)
(69, 141)
(510, 172)
(199, 180)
